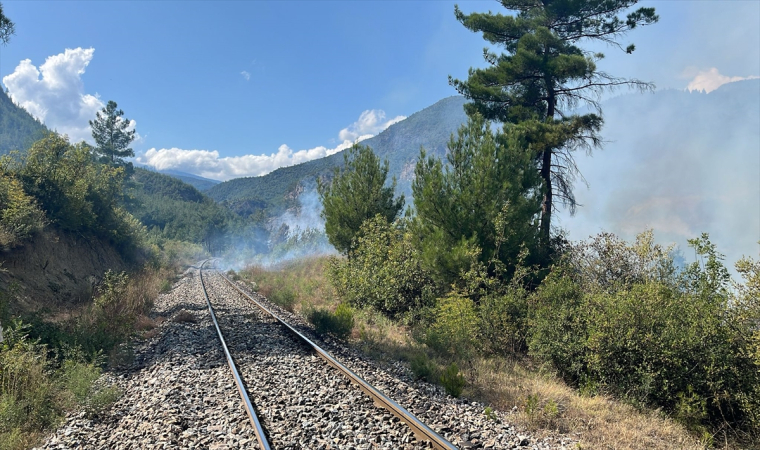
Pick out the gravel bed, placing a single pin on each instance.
(177, 392)
(459, 420)
(301, 401)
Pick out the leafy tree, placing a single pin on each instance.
(7, 28)
(20, 217)
(544, 74)
(484, 201)
(385, 271)
(74, 192)
(355, 194)
(111, 134)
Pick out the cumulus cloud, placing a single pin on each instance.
(369, 124)
(246, 75)
(208, 163)
(710, 80)
(54, 92)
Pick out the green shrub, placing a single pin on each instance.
(339, 324)
(20, 217)
(27, 390)
(75, 192)
(503, 324)
(452, 381)
(283, 297)
(166, 286)
(454, 331)
(423, 368)
(383, 272)
(675, 342)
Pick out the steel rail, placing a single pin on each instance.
(258, 430)
(421, 431)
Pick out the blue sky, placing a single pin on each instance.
(227, 89)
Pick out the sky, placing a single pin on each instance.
(231, 89)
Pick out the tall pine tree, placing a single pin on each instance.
(544, 74)
(112, 134)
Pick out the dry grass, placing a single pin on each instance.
(306, 278)
(544, 403)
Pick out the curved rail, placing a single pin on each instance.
(258, 430)
(421, 431)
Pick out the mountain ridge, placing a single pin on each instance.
(400, 144)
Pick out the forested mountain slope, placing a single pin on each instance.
(400, 144)
(18, 129)
(200, 183)
(175, 210)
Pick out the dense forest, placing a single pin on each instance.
(18, 129)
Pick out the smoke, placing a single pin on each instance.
(305, 217)
(680, 163)
(297, 233)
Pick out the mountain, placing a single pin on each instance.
(400, 144)
(173, 209)
(18, 129)
(198, 182)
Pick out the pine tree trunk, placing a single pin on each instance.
(546, 175)
(546, 206)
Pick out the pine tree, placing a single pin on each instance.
(544, 74)
(484, 200)
(111, 134)
(355, 194)
(7, 28)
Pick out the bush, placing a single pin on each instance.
(452, 381)
(75, 192)
(454, 331)
(502, 322)
(339, 324)
(28, 393)
(423, 368)
(675, 342)
(284, 297)
(79, 377)
(20, 217)
(383, 272)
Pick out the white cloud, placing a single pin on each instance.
(246, 75)
(207, 163)
(369, 124)
(710, 80)
(54, 93)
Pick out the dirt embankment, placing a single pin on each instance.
(54, 270)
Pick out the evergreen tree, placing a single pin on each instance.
(111, 134)
(482, 204)
(355, 194)
(7, 28)
(544, 74)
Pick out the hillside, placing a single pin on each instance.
(173, 209)
(200, 183)
(18, 129)
(399, 144)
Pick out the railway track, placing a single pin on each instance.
(301, 400)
